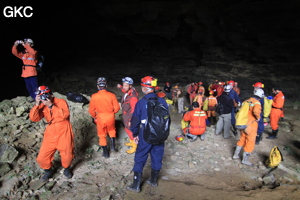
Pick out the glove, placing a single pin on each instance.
(239, 104)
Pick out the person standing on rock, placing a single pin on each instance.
(197, 119)
(138, 125)
(128, 101)
(276, 111)
(58, 134)
(29, 58)
(248, 135)
(225, 105)
(103, 107)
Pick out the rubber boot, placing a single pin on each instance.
(48, 174)
(202, 137)
(113, 144)
(191, 137)
(105, 153)
(214, 120)
(245, 160)
(210, 121)
(258, 139)
(68, 173)
(129, 143)
(234, 131)
(273, 135)
(135, 187)
(236, 153)
(153, 179)
(133, 149)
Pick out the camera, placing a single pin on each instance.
(45, 96)
(20, 42)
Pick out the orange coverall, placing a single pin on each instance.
(220, 90)
(192, 89)
(237, 89)
(103, 106)
(277, 110)
(197, 120)
(58, 134)
(212, 103)
(248, 135)
(28, 58)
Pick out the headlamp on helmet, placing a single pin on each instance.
(149, 81)
(127, 80)
(101, 81)
(44, 92)
(28, 40)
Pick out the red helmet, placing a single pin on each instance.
(167, 83)
(42, 90)
(200, 83)
(230, 82)
(211, 92)
(259, 84)
(149, 81)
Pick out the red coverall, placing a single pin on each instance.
(103, 106)
(197, 120)
(192, 89)
(128, 102)
(220, 90)
(248, 135)
(276, 111)
(237, 89)
(28, 58)
(58, 134)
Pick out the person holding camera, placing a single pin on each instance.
(29, 58)
(58, 134)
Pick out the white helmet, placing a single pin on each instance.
(28, 40)
(227, 88)
(259, 92)
(127, 80)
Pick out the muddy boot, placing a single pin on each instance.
(234, 131)
(236, 153)
(245, 160)
(273, 135)
(48, 174)
(137, 178)
(113, 144)
(258, 139)
(202, 137)
(210, 121)
(191, 137)
(68, 173)
(214, 121)
(105, 153)
(153, 179)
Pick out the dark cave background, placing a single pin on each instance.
(176, 41)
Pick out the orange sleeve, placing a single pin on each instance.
(36, 113)
(30, 50)
(15, 52)
(92, 108)
(257, 110)
(278, 101)
(60, 111)
(187, 116)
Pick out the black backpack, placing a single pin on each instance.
(220, 107)
(157, 127)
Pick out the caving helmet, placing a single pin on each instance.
(42, 90)
(28, 40)
(259, 92)
(227, 88)
(101, 81)
(259, 84)
(149, 81)
(211, 92)
(231, 82)
(200, 83)
(127, 80)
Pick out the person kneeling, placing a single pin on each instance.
(197, 119)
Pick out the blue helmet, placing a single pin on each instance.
(127, 80)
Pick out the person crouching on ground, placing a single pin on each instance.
(197, 119)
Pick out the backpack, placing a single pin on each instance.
(220, 107)
(242, 115)
(40, 62)
(157, 127)
(205, 105)
(275, 157)
(77, 98)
